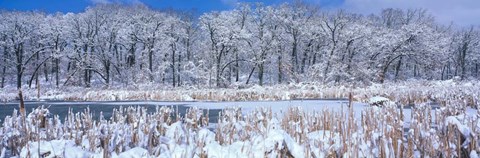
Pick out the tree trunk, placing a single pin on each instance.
(86, 77)
(57, 69)
(327, 68)
(305, 54)
(4, 69)
(237, 66)
(19, 77)
(86, 73)
(131, 56)
(230, 73)
(261, 67)
(397, 69)
(250, 74)
(442, 77)
(189, 54)
(179, 69)
(218, 72)
(165, 57)
(463, 55)
(476, 69)
(19, 65)
(414, 70)
(30, 82)
(449, 70)
(3, 75)
(294, 55)
(150, 64)
(45, 71)
(350, 61)
(107, 73)
(279, 66)
(260, 74)
(173, 66)
(382, 74)
(36, 74)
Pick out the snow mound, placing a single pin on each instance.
(136, 152)
(378, 101)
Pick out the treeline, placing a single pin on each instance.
(253, 44)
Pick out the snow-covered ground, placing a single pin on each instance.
(301, 128)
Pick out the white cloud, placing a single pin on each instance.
(461, 12)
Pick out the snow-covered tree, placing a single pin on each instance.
(126, 45)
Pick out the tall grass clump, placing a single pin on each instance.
(386, 131)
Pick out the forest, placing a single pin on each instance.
(122, 45)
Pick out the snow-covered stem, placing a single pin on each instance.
(378, 132)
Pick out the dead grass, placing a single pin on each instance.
(379, 132)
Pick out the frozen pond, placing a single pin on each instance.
(106, 107)
(61, 107)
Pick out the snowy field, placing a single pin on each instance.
(301, 128)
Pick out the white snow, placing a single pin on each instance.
(54, 148)
(2, 153)
(462, 128)
(378, 100)
(473, 154)
(136, 152)
(245, 138)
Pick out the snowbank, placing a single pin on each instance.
(378, 101)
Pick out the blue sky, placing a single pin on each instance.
(460, 12)
(52, 6)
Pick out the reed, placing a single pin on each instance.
(378, 132)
